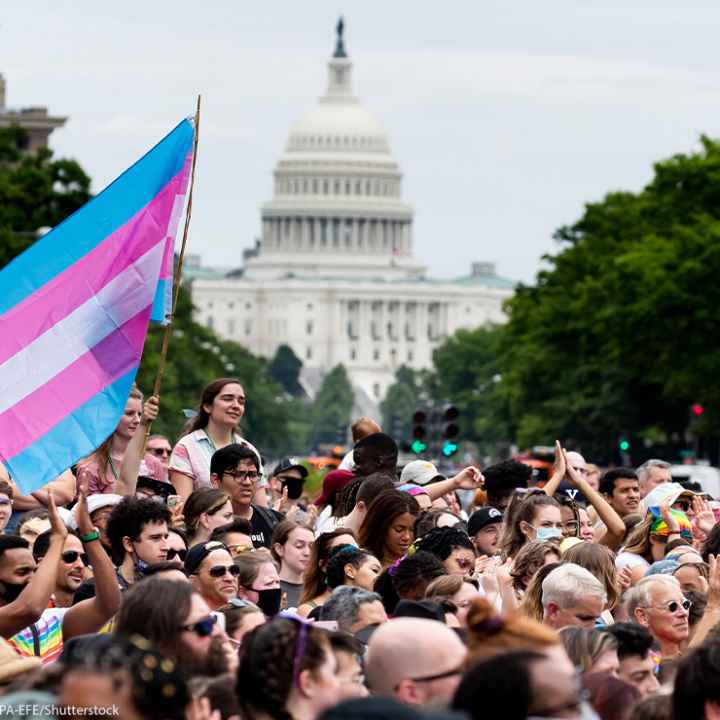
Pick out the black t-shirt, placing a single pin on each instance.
(262, 524)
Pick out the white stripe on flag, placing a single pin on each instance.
(121, 299)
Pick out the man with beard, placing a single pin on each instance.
(212, 573)
(59, 621)
(177, 621)
(235, 469)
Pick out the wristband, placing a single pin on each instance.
(94, 535)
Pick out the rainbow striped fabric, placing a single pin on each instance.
(74, 312)
(49, 636)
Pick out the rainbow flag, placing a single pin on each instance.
(74, 312)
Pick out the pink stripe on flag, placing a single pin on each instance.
(29, 319)
(111, 358)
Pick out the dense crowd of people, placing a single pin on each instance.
(194, 582)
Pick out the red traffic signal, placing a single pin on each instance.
(697, 409)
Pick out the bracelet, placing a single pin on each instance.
(94, 535)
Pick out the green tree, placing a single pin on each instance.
(332, 407)
(620, 333)
(401, 401)
(36, 191)
(285, 368)
(468, 369)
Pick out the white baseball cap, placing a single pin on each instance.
(420, 472)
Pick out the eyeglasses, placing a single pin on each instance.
(217, 571)
(673, 606)
(160, 452)
(172, 553)
(202, 628)
(240, 475)
(438, 676)
(70, 556)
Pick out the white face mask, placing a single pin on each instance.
(545, 533)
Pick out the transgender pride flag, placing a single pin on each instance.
(74, 312)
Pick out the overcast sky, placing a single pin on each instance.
(506, 117)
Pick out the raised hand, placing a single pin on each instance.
(58, 528)
(469, 478)
(704, 515)
(151, 409)
(669, 518)
(713, 593)
(624, 579)
(82, 515)
(560, 463)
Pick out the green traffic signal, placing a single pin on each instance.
(624, 445)
(418, 446)
(449, 448)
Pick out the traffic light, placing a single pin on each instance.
(450, 431)
(418, 445)
(697, 409)
(624, 444)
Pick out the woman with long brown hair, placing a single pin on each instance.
(215, 425)
(534, 516)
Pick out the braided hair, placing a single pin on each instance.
(268, 669)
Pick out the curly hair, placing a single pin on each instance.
(505, 476)
(268, 671)
(314, 580)
(491, 634)
(128, 519)
(412, 575)
(530, 559)
(523, 511)
(441, 541)
(339, 560)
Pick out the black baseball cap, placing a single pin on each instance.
(289, 463)
(197, 553)
(482, 518)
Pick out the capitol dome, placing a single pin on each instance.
(336, 207)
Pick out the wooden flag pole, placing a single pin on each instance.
(179, 269)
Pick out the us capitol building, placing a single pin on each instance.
(333, 275)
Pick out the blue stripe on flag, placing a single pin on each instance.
(76, 436)
(162, 304)
(96, 220)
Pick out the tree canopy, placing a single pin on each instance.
(332, 407)
(619, 335)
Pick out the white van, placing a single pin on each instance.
(706, 475)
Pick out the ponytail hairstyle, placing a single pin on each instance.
(491, 634)
(314, 579)
(203, 500)
(339, 560)
(200, 420)
(272, 658)
(522, 511)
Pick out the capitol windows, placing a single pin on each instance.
(231, 305)
(231, 326)
(248, 306)
(209, 305)
(353, 354)
(309, 327)
(326, 187)
(308, 353)
(410, 356)
(367, 187)
(305, 186)
(358, 187)
(376, 390)
(248, 327)
(337, 187)
(347, 187)
(376, 354)
(210, 322)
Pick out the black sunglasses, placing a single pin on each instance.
(172, 553)
(70, 556)
(217, 571)
(202, 628)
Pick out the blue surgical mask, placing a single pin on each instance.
(547, 533)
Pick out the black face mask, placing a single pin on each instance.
(269, 601)
(294, 488)
(11, 591)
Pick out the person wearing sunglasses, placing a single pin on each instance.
(177, 621)
(177, 545)
(159, 447)
(61, 619)
(658, 604)
(287, 670)
(212, 572)
(235, 536)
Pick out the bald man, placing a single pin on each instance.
(414, 660)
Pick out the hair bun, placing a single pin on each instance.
(483, 618)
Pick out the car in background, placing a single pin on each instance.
(706, 476)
